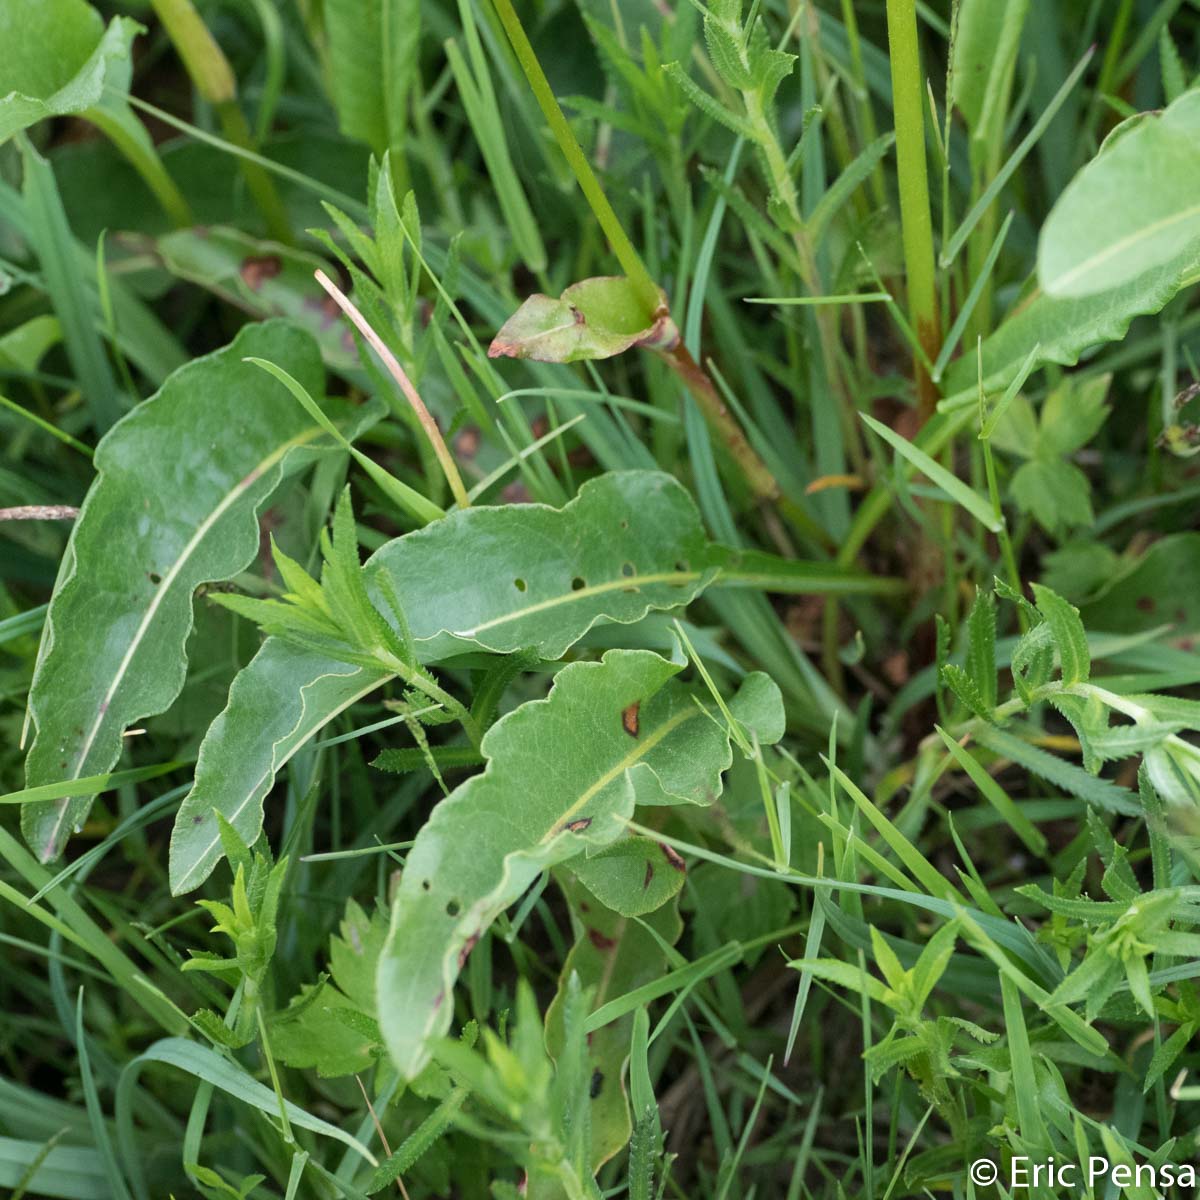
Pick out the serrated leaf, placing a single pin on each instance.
(1056, 493)
(1133, 207)
(614, 956)
(308, 1032)
(1069, 635)
(498, 578)
(1071, 779)
(593, 319)
(533, 808)
(710, 106)
(981, 647)
(183, 512)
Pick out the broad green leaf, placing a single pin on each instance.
(373, 48)
(310, 1032)
(954, 487)
(1162, 587)
(498, 578)
(985, 53)
(534, 807)
(167, 512)
(633, 876)
(58, 58)
(262, 278)
(1059, 330)
(597, 318)
(1134, 207)
(614, 956)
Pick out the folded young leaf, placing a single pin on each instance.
(58, 58)
(535, 806)
(596, 318)
(498, 578)
(166, 514)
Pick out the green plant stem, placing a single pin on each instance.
(915, 218)
(213, 77)
(141, 156)
(758, 476)
(618, 239)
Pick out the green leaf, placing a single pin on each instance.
(58, 59)
(985, 51)
(1161, 587)
(183, 511)
(981, 647)
(612, 956)
(532, 808)
(373, 47)
(633, 876)
(498, 578)
(1069, 634)
(261, 278)
(1100, 793)
(596, 318)
(1060, 330)
(1134, 207)
(1056, 493)
(954, 487)
(309, 1033)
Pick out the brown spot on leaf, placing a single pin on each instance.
(465, 952)
(673, 857)
(257, 269)
(1146, 604)
(648, 876)
(578, 826)
(629, 718)
(600, 940)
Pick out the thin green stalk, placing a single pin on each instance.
(758, 476)
(213, 77)
(916, 221)
(141, 156)
(618, 239)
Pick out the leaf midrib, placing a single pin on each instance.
(240, 488)
(598, 589)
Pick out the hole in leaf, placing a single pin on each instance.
(520, 584)
(628, 569)
(578, 583)
(624, 524)
(453, 908)
(154, 577)
(682, 565)
(425, 885)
